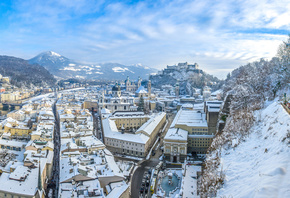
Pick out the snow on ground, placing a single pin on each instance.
(125, 167)
(119, 69)
(71, 69)
(39, 97)
(260, 166)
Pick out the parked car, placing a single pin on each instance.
(147, 183)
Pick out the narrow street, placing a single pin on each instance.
(56, 141)
(148, 164)
(97, 126)
(138, 175)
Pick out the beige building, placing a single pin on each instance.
(5, 97)
(127, 138)
(5, 79)
(90, 105)
(113, 104)
(175, 145)
(132, 86)
(28, 179)
(212, 108)
(17, 115)
(195, 123)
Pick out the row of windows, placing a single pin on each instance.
(132, 152)
(11, 148)
(128, 124)
(140, 117)
(117, 141)
(198, 133)
(168, 151)
(11, 196)
(116, 107)
(199, 139)
(198, 129)
(199, 145)
(110, 144)
(199, 142)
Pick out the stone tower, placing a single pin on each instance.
(127, 83)
(139, 82)
(149, 88)
(177, 89)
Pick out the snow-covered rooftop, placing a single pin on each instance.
(176, 134)
(22, 181)
(111, 131)
(190, 118)
(189, 181)
(141, 90)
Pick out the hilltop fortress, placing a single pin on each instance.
(181, 67)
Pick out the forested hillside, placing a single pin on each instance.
(248, 87)
(22, 73)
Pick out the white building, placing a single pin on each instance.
(176, 145)
(120, 139)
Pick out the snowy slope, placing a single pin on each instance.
(260, 165)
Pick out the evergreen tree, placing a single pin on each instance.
(141, 104)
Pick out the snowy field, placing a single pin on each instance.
(259, 166)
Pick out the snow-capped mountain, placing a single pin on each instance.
(63, 67)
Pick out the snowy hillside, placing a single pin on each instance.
(63, 67)
(259, 166)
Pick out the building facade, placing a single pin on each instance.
(132, 133)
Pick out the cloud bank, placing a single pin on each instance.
(218, 35)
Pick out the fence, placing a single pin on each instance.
(286, 108)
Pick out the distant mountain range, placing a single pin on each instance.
(22, 73)
(64, 68)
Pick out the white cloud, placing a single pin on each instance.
(220, 34)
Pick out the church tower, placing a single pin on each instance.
(127, 83)
(149, 88)
(139, 82)
(177, 89)
(116, 91)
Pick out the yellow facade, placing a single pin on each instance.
(90, 105)
(129, 123)
(15, 131)
(152, 105)
(5, 97)
(193, 130)
(5, 79)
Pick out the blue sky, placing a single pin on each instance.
(218, 35)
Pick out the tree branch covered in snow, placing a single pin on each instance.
(248, 87)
